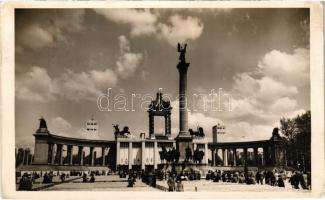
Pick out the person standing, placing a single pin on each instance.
(180, 186)
(171, 184)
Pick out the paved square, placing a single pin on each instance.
(103, 183)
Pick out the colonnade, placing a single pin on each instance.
(57, 158)
(225, 155)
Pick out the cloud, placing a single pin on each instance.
(142, 22)
(35, 85)
(181, 29)
(46, 30)
(291, 69)
(283, 105)
(84, 85)
(270, 94)
(271, 90)
(127, 61)
(244, 131)
(60, 125)
(36, 37)
(265, 88)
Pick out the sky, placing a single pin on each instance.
(66, 59)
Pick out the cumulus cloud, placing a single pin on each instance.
(127, 61)
(37, 85)
(142, 21)
(84, 85)
(283, 105)
(265, 88)
(270, 94)
(181, 29)
(36, 37)
(291, 69)
(46, 30)
(60, 125)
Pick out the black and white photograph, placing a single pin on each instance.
(173, 100)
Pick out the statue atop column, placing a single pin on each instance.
(182, 50)
(42, 129)
(42, 123)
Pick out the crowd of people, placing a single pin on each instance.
(274, 178)
(26, 182)
(88, 177)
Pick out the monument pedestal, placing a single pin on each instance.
(183, 141)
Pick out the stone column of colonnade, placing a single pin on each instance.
(227, 151)
(103, 155)
(234, 150)
(225, 157)
(256, 156)
(55, 155)
(52, 154)
(70, 154)
(91, 154)
(206, 153)
(130, 155)
(80, 155)
(143, 148)
(118, 144)
(155, 155)
(213, 157)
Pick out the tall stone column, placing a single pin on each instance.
(130, 155)
(183, 115)
(143, 160)
(80, 155)
(103, 155)
(184, 139)
(91, 156)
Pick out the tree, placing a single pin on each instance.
(297, 132)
